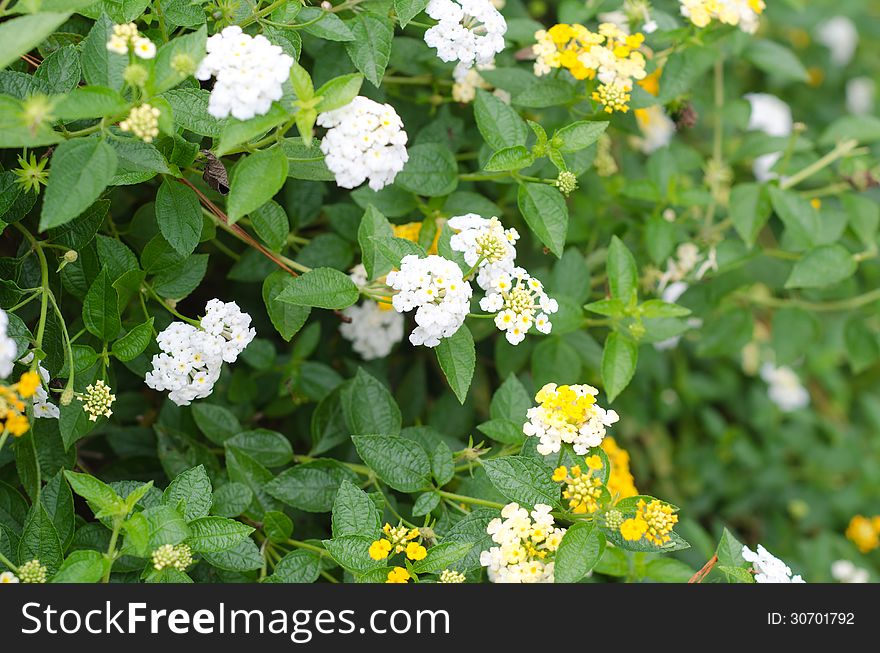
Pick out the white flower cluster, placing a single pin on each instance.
(844, 571)
(484, 241)
(435, 288)
(860, 94)
(470, 32)
(249, 72)
(568, 413)
(768, 568)
(42, 406)
(8, 578)
(785, 388)
(372, 328)
(525, 544)
(127, 34)
(192, 357)
(519, 301)
(841, 36)
(365, 140)
(772, 116)
(8, 349)
(689, 262)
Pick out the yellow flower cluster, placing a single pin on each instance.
(398, 575)
(568, 414)
(621, 483)
(610, 55)
(398, 539)
(583, 491)
(12, 405)
(653, 522)
(864, 532)
(744, 13)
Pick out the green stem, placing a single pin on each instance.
(3, 439)
(173, 311)
(44, 289)
(308, 547)
(264, 12)
(65, 337)
(843, 148)
(717, 142)
(328, 577)
(6, 561)
(460, 498)
(111, 549)
(363, 470)
(831, 306)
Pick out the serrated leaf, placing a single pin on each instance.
(522, 480)
(579, 551)
(80, 169)
(619, 358)
(546, 213)
(457, 357)
(401, 463)
(321, 288)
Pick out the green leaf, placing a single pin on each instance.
(729, 550)
(231, 499)
(268, 448)
(401, 463)
(321, 288)
(546, 213)
(216, 534)
(190, 107)
(22, 34)
(793, 331)
(431, 170)
(865, 129)
(656, 308)
(278, 526)
(351, 553)
(179, 216)
(373, 227)
(579, 551)
(749, 210)
(100, 66)
(370, 49)
(39, 540)
(180, 279)
(623, 275)
(244, 556)
(101, 309)
(80, 169)
(800, 218)
(457, 357)
(90, 102)
(503, 430)
(579, 135)
(862, 348)
(101, 497)
(545, 92)
(499, 123)
(522, 480)
(235, 132)
(244, 469)
(338, 92)
(81, 567)
(310, 487)
(165, 525)
(165, 76)
(287, 318)
(297, 567)
(369, 407)
(864, 217)
(824, 266)
(775, 59)
(406, 10)
(425, 504)
(619, 359)
(510, 158)
(442, 556)
(193, 488)
(255, 180)
(57, 498)
(271, 224)
(133, 343)
(354, 513)
(216, 422)
(328, 26)
(683, 69)
(668, 570)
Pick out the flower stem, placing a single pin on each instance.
(843, 148)
(6, 561)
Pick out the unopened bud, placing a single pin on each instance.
(67, 396)
(135, 75)
(183, 64)
(326, 6)
(71, 256)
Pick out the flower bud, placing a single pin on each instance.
(135, 75)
